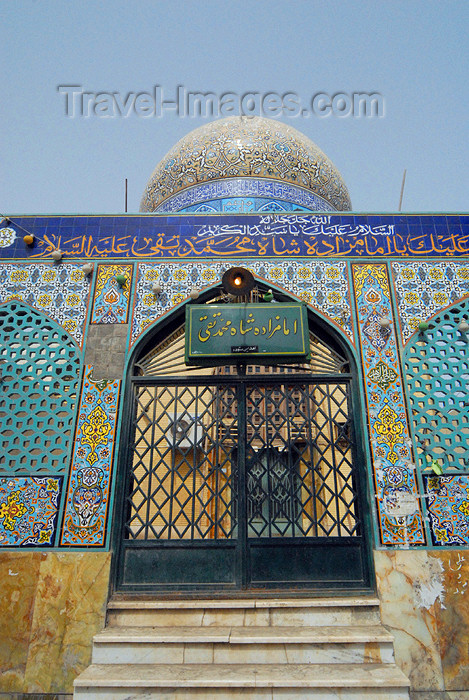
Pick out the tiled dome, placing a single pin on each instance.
(232, 153)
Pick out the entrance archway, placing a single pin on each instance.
(241, 477)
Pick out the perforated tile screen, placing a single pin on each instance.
(437, 371)
(40, 367)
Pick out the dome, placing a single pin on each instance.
(245, 164)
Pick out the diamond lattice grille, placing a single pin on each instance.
(183, 466)
(186, 458)
(299, 468)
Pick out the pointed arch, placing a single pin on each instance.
(240, 478)
(172, 324)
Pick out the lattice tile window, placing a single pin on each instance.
(437, 371)
(40, 367)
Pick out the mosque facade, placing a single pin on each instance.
(135, 462)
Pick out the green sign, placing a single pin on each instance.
(255, 331)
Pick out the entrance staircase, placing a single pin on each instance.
(323, 648)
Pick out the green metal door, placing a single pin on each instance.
(241, 481)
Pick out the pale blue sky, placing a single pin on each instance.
(415, 53)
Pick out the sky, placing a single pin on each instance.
(414, 54)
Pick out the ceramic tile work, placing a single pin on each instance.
(61, 291)
(28, 510)
(111, 300)
(261, 235)
(399, 512)
(448, 509)
(237, 147)
(7, 236)
(322, 285)
(90, 479)
(244, 195)
(424, 288)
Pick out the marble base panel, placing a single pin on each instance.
(453, 619)
(402, 578)
(51, 606)
(425, 604)
(19, 574)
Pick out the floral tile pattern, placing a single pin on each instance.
(59, 291)
(322, 285)
(90, 479)
(424, 288)
(28, 510)
(399, 513)
(448, 509)
(111, 300)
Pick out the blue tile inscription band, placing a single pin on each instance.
(188, 236)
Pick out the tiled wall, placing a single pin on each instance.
(54, 592)
(75, 506)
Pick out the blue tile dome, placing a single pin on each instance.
(245, 164)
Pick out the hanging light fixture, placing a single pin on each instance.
(237, 281)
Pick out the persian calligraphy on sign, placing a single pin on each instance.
(218, 326)
(214, 330)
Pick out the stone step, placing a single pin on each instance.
(246, 645)
(249, 681)
(303, 612)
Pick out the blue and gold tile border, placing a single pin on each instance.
(29, 507)
(90, 480)
(111, 299)
(400, 518)
(173, 236)
(448, 509)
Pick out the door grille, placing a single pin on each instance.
(297, 464)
